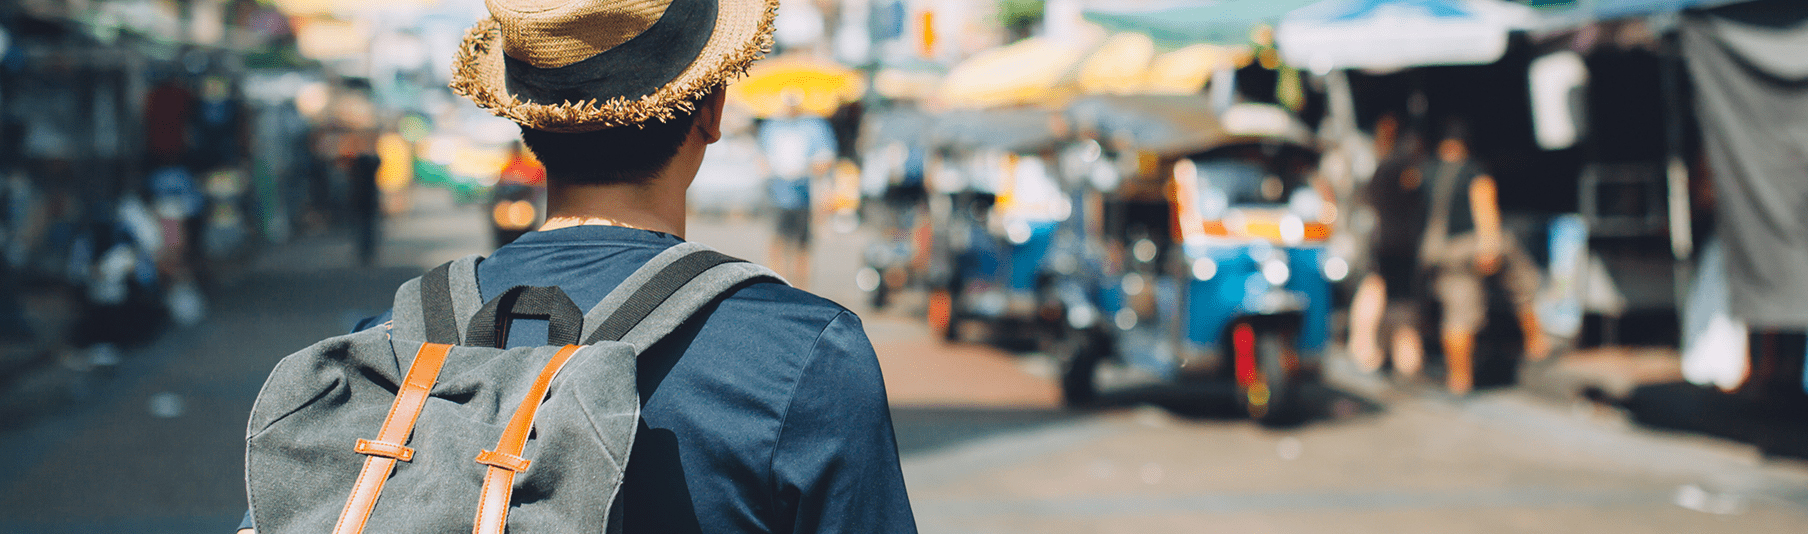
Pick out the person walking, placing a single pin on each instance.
(1463, 246)
(766, 410)
(798, 149)
(1382, 309)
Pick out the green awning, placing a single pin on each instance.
(1221, 22)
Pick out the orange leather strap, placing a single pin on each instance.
(506, 460)
(389, 445)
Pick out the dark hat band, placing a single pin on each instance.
(631, 70)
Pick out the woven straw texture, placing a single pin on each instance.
(553, 34)
(743, 34)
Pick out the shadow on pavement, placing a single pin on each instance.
(1777, 429)
(927, 429)
(1218, 401)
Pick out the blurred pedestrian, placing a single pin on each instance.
(1383, 307)
(763, 412)
(1464, 246)
(798, 150)
(355, 120)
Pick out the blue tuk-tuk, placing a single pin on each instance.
(996, 200)
(1218, 267)
(894, 144)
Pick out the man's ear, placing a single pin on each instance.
(709, 115)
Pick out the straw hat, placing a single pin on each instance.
(586, 65)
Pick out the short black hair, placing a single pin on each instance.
(619, 155)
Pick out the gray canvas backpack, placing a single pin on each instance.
(426, 425)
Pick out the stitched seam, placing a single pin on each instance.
(357, 489)
(771, 472)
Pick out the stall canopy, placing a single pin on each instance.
(1175, 125)
(1031, 71)
(1751, 87)
(1617, 9)
(1394, 34)
(1175, 25)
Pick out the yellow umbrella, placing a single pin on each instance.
(822, 86)
(1030, 71)
(1184, 71)
(1118, 66)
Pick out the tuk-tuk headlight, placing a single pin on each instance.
(1018, 232)
(1293, 229)
(1204, 269)
(1144, 250)
(1125, 319)
(1133, 284)
(1081, 317)
(1276, 272)
(1336, 269)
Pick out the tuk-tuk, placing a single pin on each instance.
(996, 200)
(1218, 266)
(894, 145)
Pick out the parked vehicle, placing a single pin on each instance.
(1224, 275)
(996, 200)
(894, 203)
(518, 200)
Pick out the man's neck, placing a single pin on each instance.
(655, 205)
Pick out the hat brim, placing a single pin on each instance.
(743, 34)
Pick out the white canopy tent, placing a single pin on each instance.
(1396, 34)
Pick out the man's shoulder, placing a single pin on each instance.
(774, 304)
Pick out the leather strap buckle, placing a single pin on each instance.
(384, 449)
(503, 460)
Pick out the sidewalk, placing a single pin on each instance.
(156, 443)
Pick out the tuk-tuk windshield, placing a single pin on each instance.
(1253, 176)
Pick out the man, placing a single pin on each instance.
(1378, 311)
(766, 411)
(798, 148)
(1463, 246)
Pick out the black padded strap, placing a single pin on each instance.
(654, 292)
(564, 321)
(441, 321)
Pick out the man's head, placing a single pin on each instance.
(623, 154)
(1454, 145)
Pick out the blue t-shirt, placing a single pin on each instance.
(764, 413)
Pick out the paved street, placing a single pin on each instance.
(155, 445)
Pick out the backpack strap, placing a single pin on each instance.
(437, 307)
(665, 292)
(490, 327)
(392, 439)
(505, 460)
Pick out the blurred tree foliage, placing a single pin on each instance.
(1019, 17)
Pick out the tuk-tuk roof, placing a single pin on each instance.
(1016, 129)
(897, 125)
(1178, 125)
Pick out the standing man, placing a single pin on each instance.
(1463, 246)
(1395, 196)
(798, 149)
(766, 411)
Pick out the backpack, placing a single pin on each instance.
(425, 424)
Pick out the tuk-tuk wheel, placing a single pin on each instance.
(1080, 354)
